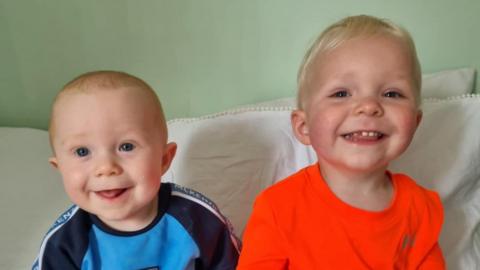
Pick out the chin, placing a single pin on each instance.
(115, 216)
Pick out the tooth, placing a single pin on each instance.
(372, 134)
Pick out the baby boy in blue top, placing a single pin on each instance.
(109, 141)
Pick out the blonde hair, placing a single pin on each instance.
(91, 82)
(345, 30)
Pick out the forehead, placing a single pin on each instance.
(109, 108)
(128, 98)
(377, 55)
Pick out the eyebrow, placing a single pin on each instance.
(75, 137)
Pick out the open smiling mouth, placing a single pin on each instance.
(111, 193)
(363, 136)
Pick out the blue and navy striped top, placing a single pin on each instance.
(189, 232)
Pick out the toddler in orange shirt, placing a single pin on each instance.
(358, 107)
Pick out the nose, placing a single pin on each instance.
(107, 166)
(369, 106)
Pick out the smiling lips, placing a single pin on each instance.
(360, 136)
(111, 194)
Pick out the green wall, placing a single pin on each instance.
(200, 56)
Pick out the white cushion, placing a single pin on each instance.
(234, 155)
(31, 197)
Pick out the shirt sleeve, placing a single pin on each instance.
(263, 243)
(226, 251)
(434, 260)
(55, 258)
(430, 232)
(65, 244)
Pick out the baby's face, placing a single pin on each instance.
(111, 151)
(361, 110)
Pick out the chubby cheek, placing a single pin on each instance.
(409, 121)
(75, 183)
(148, 176)
(322, 129)
(409, 127)
(406, 127)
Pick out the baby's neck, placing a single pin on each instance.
(372, 191)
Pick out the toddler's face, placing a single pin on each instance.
(361, 110)
(111, 152)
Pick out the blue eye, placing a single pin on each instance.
(82, 151)
(393, 94)
(340, 94)
(126, 147)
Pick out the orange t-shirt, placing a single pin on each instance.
(299, 223)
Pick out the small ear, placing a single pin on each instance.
(300, 127)
(168, 155)
(53, 161)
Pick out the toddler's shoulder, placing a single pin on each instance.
(288, 186)
(421, 197)
(294, 187)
